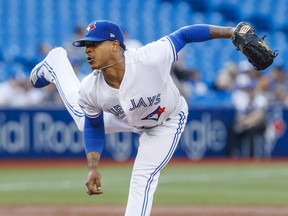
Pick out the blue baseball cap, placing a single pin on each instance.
(101, 30)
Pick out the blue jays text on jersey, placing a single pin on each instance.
(154, 100)
(117, 111)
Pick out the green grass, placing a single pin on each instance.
(225, 184)
(252, 184)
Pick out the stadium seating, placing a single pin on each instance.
(25, 24)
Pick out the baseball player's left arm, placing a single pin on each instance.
(198, 33)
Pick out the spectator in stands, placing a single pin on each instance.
(246, 67)
(17, 89)
(75, 55)
(277, 86)
(180, 74)
(256, 76)
(247, 139)
(43, 49)
(225, 81)
(193, 84)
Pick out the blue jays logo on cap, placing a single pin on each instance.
(91, 27)
(101, 30)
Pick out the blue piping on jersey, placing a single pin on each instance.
(175, 55)
(50, 69)
(164, 162)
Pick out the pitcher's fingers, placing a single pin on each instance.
(98, 184)
(92, 190)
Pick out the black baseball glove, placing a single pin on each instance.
(252, 46)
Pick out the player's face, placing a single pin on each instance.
(97, 54)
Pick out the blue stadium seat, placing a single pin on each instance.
(261, 22)
(229, 12)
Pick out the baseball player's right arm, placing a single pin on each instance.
(94, 139)
(93, 182)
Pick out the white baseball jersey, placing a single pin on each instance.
(147, 95)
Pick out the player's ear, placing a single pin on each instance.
(116, 45)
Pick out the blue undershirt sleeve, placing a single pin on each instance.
(189, 34)
(94, 134)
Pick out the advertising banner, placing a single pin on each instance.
(43, 133)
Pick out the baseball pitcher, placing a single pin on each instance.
(127, 90)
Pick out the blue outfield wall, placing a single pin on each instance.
(43, 133)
